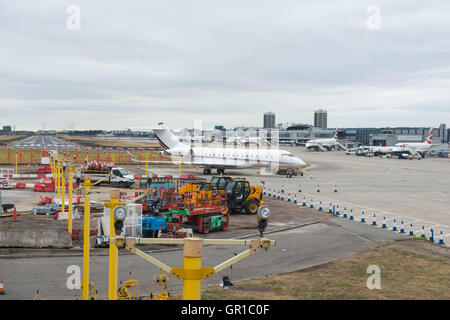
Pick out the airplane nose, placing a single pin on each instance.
(300, 162)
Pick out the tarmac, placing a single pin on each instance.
(404, 188)
(297, 247)
(43, 142)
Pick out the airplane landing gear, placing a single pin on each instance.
(207, 171)
(220, 171)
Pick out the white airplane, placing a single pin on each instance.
(421, 147)
(325, 144)
(222, 158)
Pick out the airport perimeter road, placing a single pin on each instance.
(296, 249)
(40, 142)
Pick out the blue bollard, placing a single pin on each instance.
(289, 197)
(282, 189)
(304, 201)
(300, 188)
(330, 210)
(335, 188)
(269, 194)
(278, 195)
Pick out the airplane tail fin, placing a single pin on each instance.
(166, 138)
(335, 136)
(430, 135)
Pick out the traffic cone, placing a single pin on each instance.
(282, 189)
(318, 189)
(394, 228)
(2, 288)
(278, 195)
(295, 198)
(337, 210)
(363, 219)
(320, 206)
(269, 194)
(330, 210)
(351, 214)
(345, 212)
(300, 188)
(422, 235)
(432, 235)
(402, 228)
(384, 222)
(335, 188)
(304, 202)
(282, 196)
(374, 221)
(411, 233)
(311, 204)
(15, 215)
(310, 177)
(289, 197)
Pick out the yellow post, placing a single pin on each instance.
(16, 162)
(58, 178)
(146, 166)
(69, 227)
(112, 157)
(192, 252)
(86, 239)
(55, 178)
(179, 165)
(113, 250)
(63, 192)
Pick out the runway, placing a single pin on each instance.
(41, 142)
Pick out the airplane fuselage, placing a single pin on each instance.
(235, 157)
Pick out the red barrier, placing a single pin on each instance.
(39, 187)
(20, 185)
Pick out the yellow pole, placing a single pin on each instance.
(16, 162)
(69, 227)
(86, 239)
(146, 166)
(112, 159)
(63, 192)
(192, 252)
(55, 175)
(58, 177)
(113, 250)
(179, 165)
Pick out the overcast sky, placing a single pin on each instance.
(135, 63)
